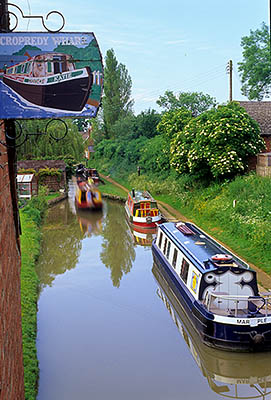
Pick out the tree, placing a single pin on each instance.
(196, 102)
(50, 143)
(174, 121)
(255, 69)
(117, 92)
(217, 144)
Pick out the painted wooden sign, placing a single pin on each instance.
(49, 75)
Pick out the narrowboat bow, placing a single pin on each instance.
(217, 289)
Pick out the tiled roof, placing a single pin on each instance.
(261, 112)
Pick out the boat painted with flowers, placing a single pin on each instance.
(142, 210)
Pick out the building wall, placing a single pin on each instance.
(11, 358)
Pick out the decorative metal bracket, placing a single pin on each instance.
(31, 17)
(22, 138)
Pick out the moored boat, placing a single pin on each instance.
(218, 290)
(142, 209)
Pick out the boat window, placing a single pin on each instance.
(19, 69)
(153, 204)
(168, 248)
(184, 270)
(165, 246)
(175, 255)
(49, 67)
(160, 239)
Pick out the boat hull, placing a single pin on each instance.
(70, 94)
(224, 336)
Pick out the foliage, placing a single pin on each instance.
(145, 124)
(173, 122)
(196, 102)
(117, 92)
(44, 146)
(154, 157)
(31, 217)
(26, 171)
(44, 172)
(217, 143)
(255, 69)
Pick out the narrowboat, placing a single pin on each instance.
(217, 289)
(231, 375)
(87, 196)
(142, 209)
(51, 80)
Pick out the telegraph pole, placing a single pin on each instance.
(229, 71)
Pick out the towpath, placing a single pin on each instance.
(171, 214)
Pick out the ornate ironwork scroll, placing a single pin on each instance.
(8, 13)
(22, 137)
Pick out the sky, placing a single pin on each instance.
(177, 45)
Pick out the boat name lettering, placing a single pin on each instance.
(42, 40)
(36, 81)
(252, 322)
(60, 77)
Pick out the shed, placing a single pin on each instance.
(27, 185)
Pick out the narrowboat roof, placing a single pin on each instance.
(138, 196)
(197, 245)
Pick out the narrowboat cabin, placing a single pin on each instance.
(217, 289)
(231, 375)
(142, 209)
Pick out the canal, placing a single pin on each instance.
(109, 326)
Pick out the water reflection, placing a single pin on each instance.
(90, 222)
(118, 251)
(141, 236)
(231, 375)
(61, 243)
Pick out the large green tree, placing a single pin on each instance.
(255, 69)
(117, 102)
(196, 102)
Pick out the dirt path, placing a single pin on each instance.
(171, 214)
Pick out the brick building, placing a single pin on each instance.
(261, 112)
(52, 182)
(11, 357)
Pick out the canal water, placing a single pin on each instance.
(110, 328)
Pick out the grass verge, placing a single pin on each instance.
(31, 217)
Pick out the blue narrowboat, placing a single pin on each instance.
(218, 290)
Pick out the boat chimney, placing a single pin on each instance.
(133, 192)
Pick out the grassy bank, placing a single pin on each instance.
(31, 218)
(236, 212)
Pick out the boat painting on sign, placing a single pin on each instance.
(218, 290)
(45, 75)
